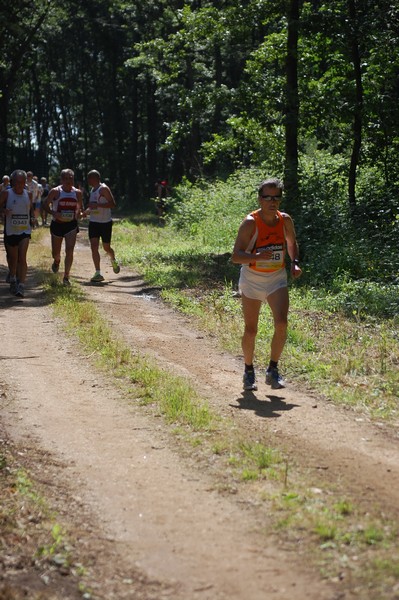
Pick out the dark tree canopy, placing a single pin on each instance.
(179, 88)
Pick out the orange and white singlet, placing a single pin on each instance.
(268, 237)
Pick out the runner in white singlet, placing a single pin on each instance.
(17, 230)
(101, 203)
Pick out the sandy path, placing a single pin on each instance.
(160, 516)
(343, 444)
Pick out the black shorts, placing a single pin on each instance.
(15, 240)
(62, 229)
(102, 231)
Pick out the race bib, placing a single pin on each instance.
(67, 215)
(19, 223)
(275, 262)
(95, 211)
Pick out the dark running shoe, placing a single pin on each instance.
(249, 380)
(20, 291)
(55, 266)
(274, 379)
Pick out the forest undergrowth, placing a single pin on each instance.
(343, 328)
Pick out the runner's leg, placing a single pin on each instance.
(109, 251)
(70, 241)
(251, 309)
(22, 267)
(94, 244)
(12, 257)
(279, 303)
(56, 243)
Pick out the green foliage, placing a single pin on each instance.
(212, 211)
(344, 311)
(55, 548)
(245, 143)
(194, 89)
(350, 267)
(26, 487)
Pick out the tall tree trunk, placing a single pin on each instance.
(292, 108)
(3, 132)
(41, 126)
(217, 115)
(152, 137)
(358, 107)
(193, 160)
(132, 169)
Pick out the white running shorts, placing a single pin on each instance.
(258, 286)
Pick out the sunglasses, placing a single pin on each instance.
(269, 198)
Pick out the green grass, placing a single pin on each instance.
(176, 399)
(321, 522)
(31, 531)
(352, 359)
(260, 457)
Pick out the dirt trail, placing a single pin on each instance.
(155, 518)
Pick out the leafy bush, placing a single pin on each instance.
(351, 259)
(212, 212)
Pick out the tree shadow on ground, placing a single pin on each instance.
(35, 294)
(266, 410)
(191, 269)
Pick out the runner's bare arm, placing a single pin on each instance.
(240, 254)
(245, 232)
(79, 206)
(107, 194)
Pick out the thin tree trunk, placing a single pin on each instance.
(358, 108)
(292, 108)
(134, 145)
(4, 164)
(152, 137)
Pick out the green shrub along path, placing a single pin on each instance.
(343, 334)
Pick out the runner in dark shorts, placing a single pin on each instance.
(17, 231)
(64, 204)
(62, 229)
(15, 240)
(102, 231)
(101, 203)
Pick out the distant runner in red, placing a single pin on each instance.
(64, 204)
